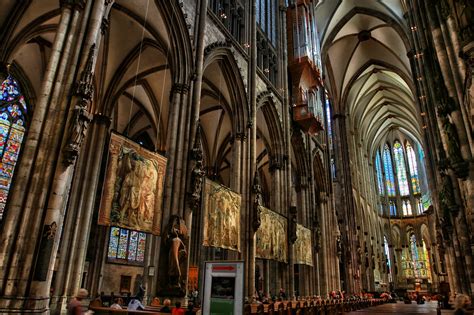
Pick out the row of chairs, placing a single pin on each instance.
(310, 307)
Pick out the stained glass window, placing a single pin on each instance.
(389, 177)
(426, 258)
(378, 170)
(420, 206)
(407, 208)
(393, 208)
(126, 246)
(415, 256)
(401, 169)
(389, 261)
(12, 129)
(413, 168)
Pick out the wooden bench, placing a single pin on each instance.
(108, 310)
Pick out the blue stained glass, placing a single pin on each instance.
(123, 244)
(401, 169)
(132, 247)
(141, 247)
(393, 208)
(113, 242)
(413, 168)
(378, 170)
(126, 246)
(12, 118)
(415, 256)
(389, 177)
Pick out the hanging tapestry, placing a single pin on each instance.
(272, 242)
(221, 208)
(303, 249)
(133, 187)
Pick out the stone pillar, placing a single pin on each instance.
(42, 167)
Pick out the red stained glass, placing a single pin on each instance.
(12, 119)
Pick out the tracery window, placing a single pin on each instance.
(401, 169)
(389, 260)
(389, 177)
(407, 211)
(126, 246)
(393, 208)
(378, 170)
(413, 168)
(13, 112)
(414, 256)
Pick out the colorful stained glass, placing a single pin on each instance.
(132, 247)
(412, 165)
(401, 169)
(12, 120)
(407, 208)
(426, 257)
(393, 208)
(389, 177)
(141, 247)
(126, 246)
(415, 256)
(123, 244)
(113, 242)
(378, 170)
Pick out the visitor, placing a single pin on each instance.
(282, 294)
(190, 310)
(155, 302)
(461, 303)
(166, 306)
(117, 304)
(97, 302)
(135, 304)
(75, 307)
(178, 310)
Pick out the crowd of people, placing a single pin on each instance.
(135, 303)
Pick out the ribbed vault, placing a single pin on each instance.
(365, 48)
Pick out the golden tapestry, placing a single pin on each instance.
(133, 187)
(303, 249)
(272, 242)
(221, 208)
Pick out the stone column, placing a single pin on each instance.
(40, 159)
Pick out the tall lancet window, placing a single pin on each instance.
(415, 183)
(13, 112)
(389, 261)
(415, 256)
(389, 177)
(378, 170)
(401, 169)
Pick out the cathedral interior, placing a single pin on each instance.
(323, 145)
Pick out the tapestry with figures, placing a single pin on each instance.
(133, 187)
(272, 242)
(221, 209)
(303, 248)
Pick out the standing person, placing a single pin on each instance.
(461, 303)
(74, 307)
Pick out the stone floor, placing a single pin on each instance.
(401, 308)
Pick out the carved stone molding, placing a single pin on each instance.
(257, 190)
(81, 117)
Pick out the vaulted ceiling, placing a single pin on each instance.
(364, 46)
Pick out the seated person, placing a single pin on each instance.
(155, 302)
(190, 310)
(97, 302)
(135, 304)
(117, 304)
(166, 306)
(178, 310)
